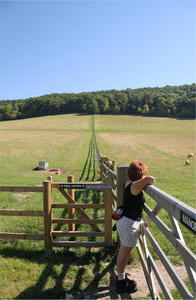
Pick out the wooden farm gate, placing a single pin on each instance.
(178, 212)
(72, 205)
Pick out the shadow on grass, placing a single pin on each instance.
(89, 169)
(82, 274)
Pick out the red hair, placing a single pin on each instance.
(137, 170)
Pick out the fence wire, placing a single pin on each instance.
(95, 141)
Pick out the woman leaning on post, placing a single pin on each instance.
(128, 224)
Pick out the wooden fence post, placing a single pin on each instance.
(103, 159)
(47, 199)
(49, 178)
(71, 211)
(113, 165)
(108, 211)
(122, 177)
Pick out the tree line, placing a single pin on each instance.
(168, 101)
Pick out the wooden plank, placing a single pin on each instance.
(78, 205)
(181, 287)
(114, 196)
(78, 244)
(176, 228)
(21, 236)
(160, 279)
(71, 211)
(47, 202)
(108, 212)
(77, 233)
(112, 173)
(23, 213)
(154, 293)
(79, 221)
(155, 211)
(81, 212)
(25, 189)
(144, 265)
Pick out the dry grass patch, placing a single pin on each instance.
(55, 123)
(138, 124)
(178, 145)
(129, 146)
(46, 146)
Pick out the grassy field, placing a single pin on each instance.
(66, 142)
(162, 143)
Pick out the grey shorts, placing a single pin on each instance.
(128, 231)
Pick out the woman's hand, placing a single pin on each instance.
(150, 179)
(138, 185)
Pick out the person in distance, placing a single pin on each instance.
(128, 224)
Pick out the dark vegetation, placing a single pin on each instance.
(169, 101)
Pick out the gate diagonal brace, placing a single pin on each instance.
(80, 210)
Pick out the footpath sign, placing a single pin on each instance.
(72, 186)
(188, 222)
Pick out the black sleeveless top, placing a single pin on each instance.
(133, 205)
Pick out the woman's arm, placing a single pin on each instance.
(138, 185)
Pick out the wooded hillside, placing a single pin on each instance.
(169, 101)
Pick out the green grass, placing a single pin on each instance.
(28, 275)
(66, 142)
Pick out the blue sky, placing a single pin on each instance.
(83, 46)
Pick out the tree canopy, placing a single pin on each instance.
(168, 101)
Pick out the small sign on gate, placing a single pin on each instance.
(72, 186)
(188, 222)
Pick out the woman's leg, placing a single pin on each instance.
(123, 284)
(123, 257)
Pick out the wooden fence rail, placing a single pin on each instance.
(21, 213)
(25, 189)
